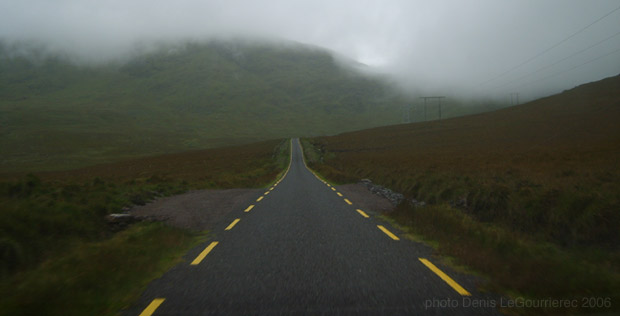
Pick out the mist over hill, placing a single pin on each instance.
(177, 97)
(56, 112)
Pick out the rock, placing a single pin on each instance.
(121, 218)
(120, 221)
(394, 197)
(460, 202)
(416, 203)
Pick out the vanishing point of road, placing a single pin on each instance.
(302, 248)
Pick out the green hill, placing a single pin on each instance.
(56, 114)
(60, 114)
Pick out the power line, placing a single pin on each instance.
(552, 47)
(573, 68)
(557, 62)
(438, 98)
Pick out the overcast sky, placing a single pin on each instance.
(445, 47)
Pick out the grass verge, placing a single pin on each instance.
(57, 255)
(97, 278)
(550, 236)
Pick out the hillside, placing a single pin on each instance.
(55, 113)
(585, 114)
(558, 139)
(532, 190)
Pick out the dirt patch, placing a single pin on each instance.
(202, 209)
(197, 210)
(366, 200)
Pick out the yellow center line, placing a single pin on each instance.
(260, 198)
(267, 192)
(333, 189)
(204, 253)
(249, 208)
(387, 232)
(149, 310)
(445, 277)
(328, 184)
(271, 189)
(348, 202)
(362, 213)
(339, 194)
(233, 224)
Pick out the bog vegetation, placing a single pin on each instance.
(53, 226)
(529, 196)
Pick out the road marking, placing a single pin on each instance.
(260, 198)
(271, 189)
(362, 213)
(339, 194)
(233, 224)
(328, 184)
(249, 208)
(204, 253)
(267, 192)
(348, 202)
(149, 310)
(387, 232)
(333, 189)
(445, 277)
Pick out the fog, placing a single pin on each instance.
(483, 47)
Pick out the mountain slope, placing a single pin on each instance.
(567, 142)
(54, 113)
(583, 116)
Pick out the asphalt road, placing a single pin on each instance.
(303, 249)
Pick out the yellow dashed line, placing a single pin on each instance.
(267, 192)
(249, 208)
(260, 198)
(445, 277)
(339, 194)
(333, 189)
(387, 232)
(149, 310)
(204, 253)
(348, 202)
(232, 224)
(362, 213)
(271, 189)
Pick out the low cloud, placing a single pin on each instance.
(448, 47)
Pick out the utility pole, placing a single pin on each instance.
(514, 97)
(407, 113)
(438, 98)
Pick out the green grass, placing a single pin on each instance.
(518, 264)
(97, 278)
(58, 257)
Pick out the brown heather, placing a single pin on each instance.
(531, 191)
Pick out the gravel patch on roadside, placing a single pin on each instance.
(202, 209)
(365, 200)
(197, 210)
